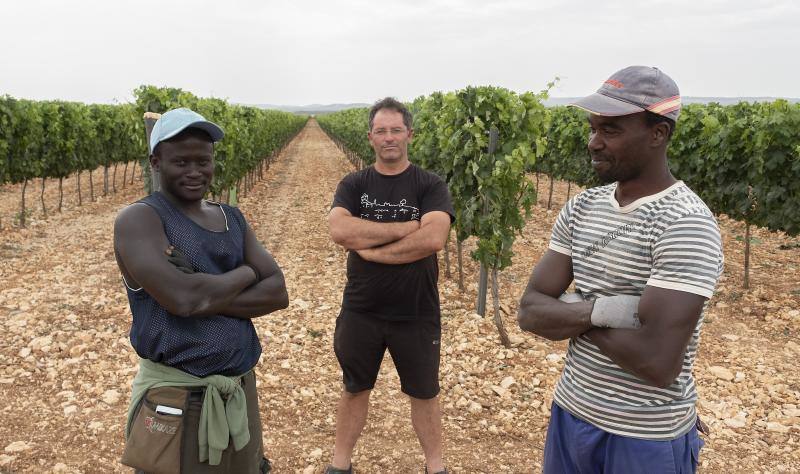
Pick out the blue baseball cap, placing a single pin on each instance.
(175, 121)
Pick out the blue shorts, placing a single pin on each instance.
(575, 446)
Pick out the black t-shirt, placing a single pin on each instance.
(393, 292)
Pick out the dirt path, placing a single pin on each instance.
(66, 363)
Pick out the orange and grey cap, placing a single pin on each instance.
(632, 90)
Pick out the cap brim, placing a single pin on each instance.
(600, 104)
(211, 128)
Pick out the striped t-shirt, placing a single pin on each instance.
(668, 240)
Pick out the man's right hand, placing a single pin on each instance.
(179, 260)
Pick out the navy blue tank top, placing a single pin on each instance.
(201, 346)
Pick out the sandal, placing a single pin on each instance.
(443, 471)
(333, 470)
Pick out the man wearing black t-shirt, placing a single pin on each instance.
(393, 217)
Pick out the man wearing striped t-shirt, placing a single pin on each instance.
(645, 255)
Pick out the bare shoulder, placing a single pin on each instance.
(136, 218)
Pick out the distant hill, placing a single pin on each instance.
(311, 109)
(554, 101)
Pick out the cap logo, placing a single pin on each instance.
(633, 90)
(666, 106)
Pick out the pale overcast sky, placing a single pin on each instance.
(302, 52)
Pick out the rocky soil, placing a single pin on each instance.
(66, 363)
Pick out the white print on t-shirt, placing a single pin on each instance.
(620, 231)
(395, 212)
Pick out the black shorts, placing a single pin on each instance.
(360, 341)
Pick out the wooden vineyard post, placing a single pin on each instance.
(483, 279)
(459, 257)
(152, 183)
(231, 197)
(498, 320)
(746, 256)
(60, 192)
(78, 179)
(114, 179)
(105, 180)
(133, 172)
(22, 205)
(750, 211)
(41, 199)
(91, 186)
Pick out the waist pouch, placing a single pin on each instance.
(156, 436)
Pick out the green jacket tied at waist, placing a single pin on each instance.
(220, 420)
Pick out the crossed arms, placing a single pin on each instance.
(653, 352)
(140, 244)
(390, 242)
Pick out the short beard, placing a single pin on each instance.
(605, 178)
(617, 174)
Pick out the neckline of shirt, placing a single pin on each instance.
(224, 215)
(642, 200)
(394, 176)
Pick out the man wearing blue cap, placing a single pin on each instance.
(195, 275)
(645, 255)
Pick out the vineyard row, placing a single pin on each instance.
(54, 139)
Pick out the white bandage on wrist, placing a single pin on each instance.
(620, 311)
(571, 298)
